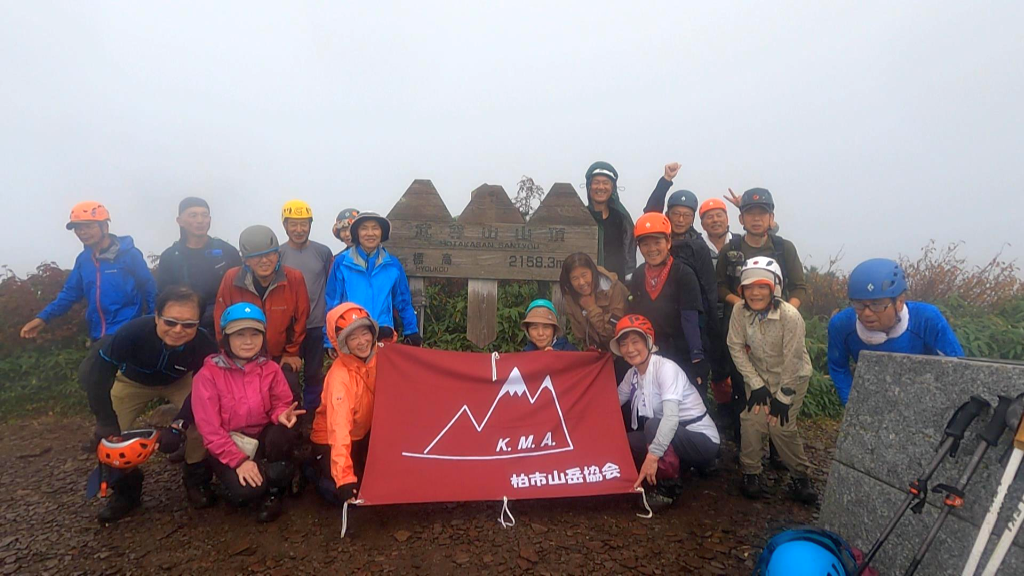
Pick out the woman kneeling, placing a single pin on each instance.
(244, 411)
(341, 427)
(665, 412)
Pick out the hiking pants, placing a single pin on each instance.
(755, 432)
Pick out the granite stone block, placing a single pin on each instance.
(898, 409)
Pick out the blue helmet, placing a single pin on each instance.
(543, 303)
(683, 198)
(243, 315)
(806, 551)
(876, 278)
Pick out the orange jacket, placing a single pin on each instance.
(346, 406)
(286, 304)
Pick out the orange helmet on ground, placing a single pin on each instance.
(711, 204)
(352, 316)
(88, 212)
(129, 449)
(632, 323)
(652, 223)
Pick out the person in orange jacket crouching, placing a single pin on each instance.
(341, 426)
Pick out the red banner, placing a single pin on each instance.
(459, 426)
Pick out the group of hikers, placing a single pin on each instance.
(236, 339)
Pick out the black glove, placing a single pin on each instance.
(701, 370)
(104, 431)
(385, 333)
(170, 440)
(347, 491)
(413, 339)
(758, 397)
(779, 410)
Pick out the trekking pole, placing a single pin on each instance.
(918, 489)
(955, 494)
(1003, 546)
(1013, 422)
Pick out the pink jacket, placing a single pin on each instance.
(226, 398)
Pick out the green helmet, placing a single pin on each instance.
(602, 169)
(757, 197)
(257, 240)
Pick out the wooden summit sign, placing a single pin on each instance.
(489, 241)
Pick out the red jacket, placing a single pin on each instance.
(286, 304)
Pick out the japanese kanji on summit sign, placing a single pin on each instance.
(528, 426)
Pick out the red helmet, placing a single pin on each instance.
(87, 212)
(351, 316)
(652, 223)
(632, 323)
(129, 449)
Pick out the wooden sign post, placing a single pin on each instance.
(489, 241)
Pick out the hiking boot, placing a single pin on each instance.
(117, 507)
(127, 496)
(196, 478)
(270, 508)
(657, 500)
(751, 487)
(802, 491)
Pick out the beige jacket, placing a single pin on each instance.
(595, 326)
(771, 351)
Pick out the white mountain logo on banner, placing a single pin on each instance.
(518, 424)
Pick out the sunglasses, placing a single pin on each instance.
(875, 307)
(186, 324)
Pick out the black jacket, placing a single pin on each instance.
(136, 351)
(201, 269)
(675, 314)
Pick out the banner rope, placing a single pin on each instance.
(505, 510)
(650, 513)
(344, 515)
(494, 366)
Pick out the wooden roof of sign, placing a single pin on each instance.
(490, 239)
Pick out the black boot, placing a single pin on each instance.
(802, 491)
(751, 487)
(270, 508)
(196, 479)
(127, 496)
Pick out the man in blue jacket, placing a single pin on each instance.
(368, 275)
(110, 274)
(881, 319)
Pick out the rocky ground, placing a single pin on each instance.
(48, 528)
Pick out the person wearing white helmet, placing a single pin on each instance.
(766, 340)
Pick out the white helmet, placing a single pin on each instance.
(762, 268)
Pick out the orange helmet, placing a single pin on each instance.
(652, 223)
(632, 323)
(88, 212)
(350, 317)
(129, 449)
(711, 204)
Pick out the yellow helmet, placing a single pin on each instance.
(296, 209)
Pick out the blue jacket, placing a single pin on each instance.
(561, 344)
(928, 334)
(116, 284)
(381, 290)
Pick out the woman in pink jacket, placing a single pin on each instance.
(244, 412)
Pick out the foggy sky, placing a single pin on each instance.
(876, 125)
